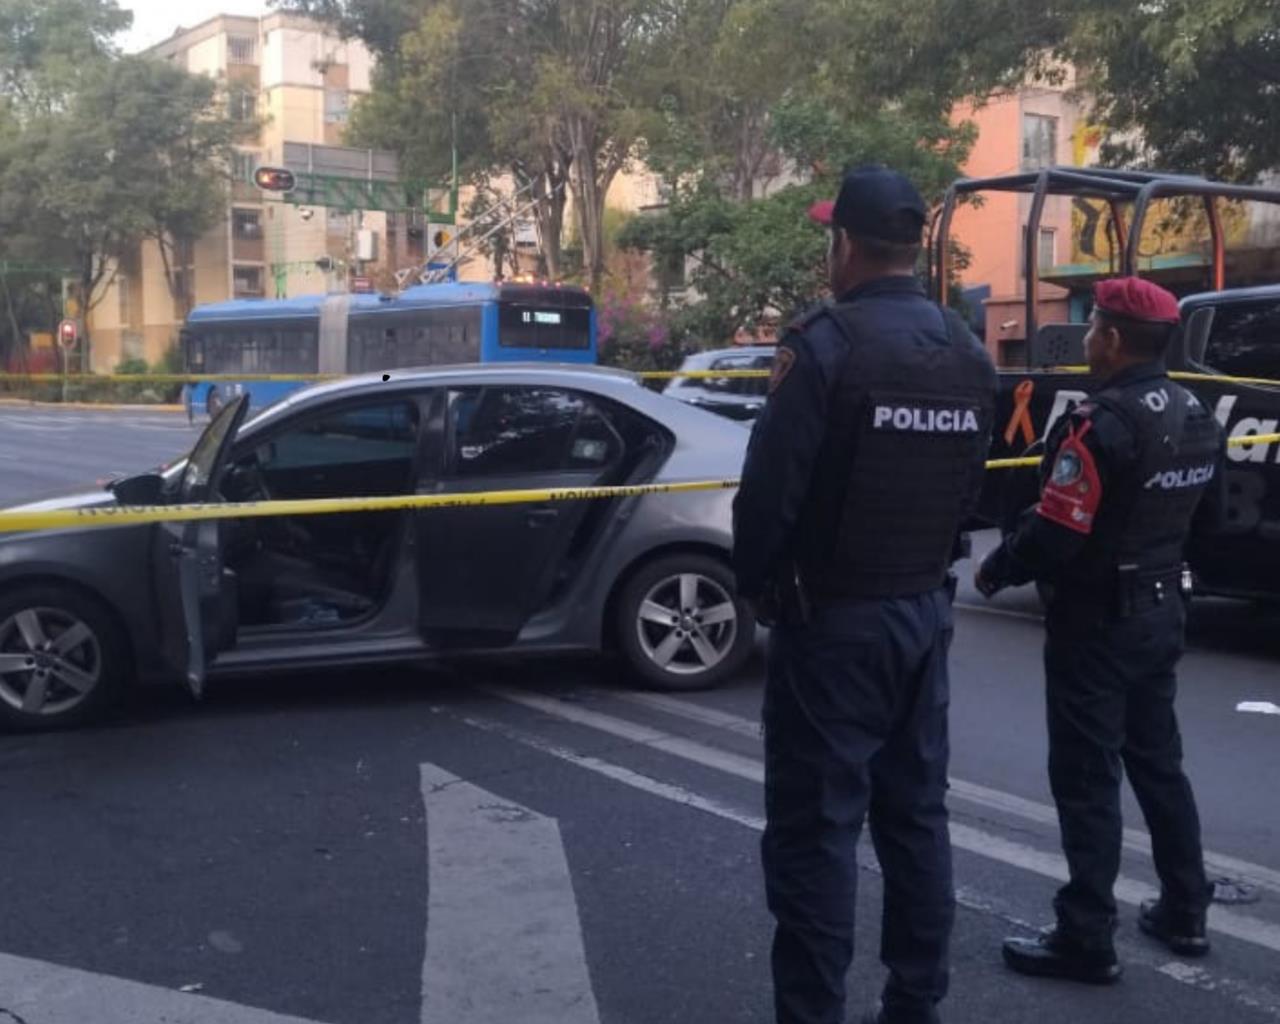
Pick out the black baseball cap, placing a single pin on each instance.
(875, 202)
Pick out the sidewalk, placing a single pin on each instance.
(105, 406)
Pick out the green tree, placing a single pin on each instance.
(555, 91)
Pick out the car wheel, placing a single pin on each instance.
(62, 659)
(679, 624)
(213, 402)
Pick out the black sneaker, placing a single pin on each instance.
(1050, 955)
(1182, 933)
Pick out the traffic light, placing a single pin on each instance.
(274, 179)
(440, 239)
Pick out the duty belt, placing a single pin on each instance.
(1133, 590)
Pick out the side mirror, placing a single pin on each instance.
(145, 489)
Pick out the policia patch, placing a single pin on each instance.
(783, 360)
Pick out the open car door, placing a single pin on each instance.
(196, 593)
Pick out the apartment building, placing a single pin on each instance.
(297, 80)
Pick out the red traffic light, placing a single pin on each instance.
(274, 179)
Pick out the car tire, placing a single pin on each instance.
(663, 632)
(65, 644)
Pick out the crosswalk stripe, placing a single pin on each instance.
(1227, 922)
(1247, 995)
(43, 993)
(1135, 840)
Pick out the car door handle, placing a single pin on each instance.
(541, 516)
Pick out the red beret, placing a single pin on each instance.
(1136, 299)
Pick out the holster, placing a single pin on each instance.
(785, 601)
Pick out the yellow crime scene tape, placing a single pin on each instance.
(132, 515)
(310, 378)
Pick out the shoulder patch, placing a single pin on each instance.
(783, 360)
(1073, 491)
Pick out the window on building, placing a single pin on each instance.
(242, 105)
(1039, 141)
(124, 310)
(242, 50)
(1046, 250)
(247, 282)
(670, 271)
(336, 106)
(243, 165)
(246, 224)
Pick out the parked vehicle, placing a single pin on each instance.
(83, 612)
(739, 398)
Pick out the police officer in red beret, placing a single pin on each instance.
(1122, 480)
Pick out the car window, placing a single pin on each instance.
(382, 433)
(1245, 339)
(739, 385)
(514, 430)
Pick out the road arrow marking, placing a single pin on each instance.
(504, 942)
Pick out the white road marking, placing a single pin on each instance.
(985, 844)
(1258, 707)
(503, 938)
(41, 993)
(1243, 993)
(1135, 840)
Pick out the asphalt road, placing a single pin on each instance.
(44, 450)
(535, 842)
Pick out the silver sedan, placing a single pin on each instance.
(87, 611)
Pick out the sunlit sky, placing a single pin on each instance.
(155, 20)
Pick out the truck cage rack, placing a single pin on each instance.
(1136, 190)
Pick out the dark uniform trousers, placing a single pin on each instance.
(855, 717)
(1111, 687)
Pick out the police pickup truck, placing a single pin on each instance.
(1227, 352)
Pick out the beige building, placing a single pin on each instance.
(297, 80)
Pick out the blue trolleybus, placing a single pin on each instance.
(431, 324)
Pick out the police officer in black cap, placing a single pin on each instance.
(861, 469)
(1123, 477)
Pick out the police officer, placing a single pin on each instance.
(861, 469)
(1122, 479)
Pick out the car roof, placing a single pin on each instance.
(602, 379)
(710, 355)
(608, 382)
(1264, 291)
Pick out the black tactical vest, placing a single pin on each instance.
(1145, 516)
(901, 463)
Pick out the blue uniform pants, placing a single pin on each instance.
(1110, 696)
(855, 718)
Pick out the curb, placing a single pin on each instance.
(78, 406)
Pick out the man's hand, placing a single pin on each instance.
(985, 579)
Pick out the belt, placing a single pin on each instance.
(1134, 591)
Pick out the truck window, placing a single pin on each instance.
(1245, 339)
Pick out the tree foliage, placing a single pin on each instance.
(554, 92)
(99, 152)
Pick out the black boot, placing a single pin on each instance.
(1182, 933)
(1051, 955)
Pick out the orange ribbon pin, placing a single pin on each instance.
(1021, 418)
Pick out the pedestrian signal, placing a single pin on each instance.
(440, 239)
(274, 179)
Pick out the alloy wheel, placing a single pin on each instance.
(687, 624)
(50, 661)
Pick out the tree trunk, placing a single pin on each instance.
(18, 347)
